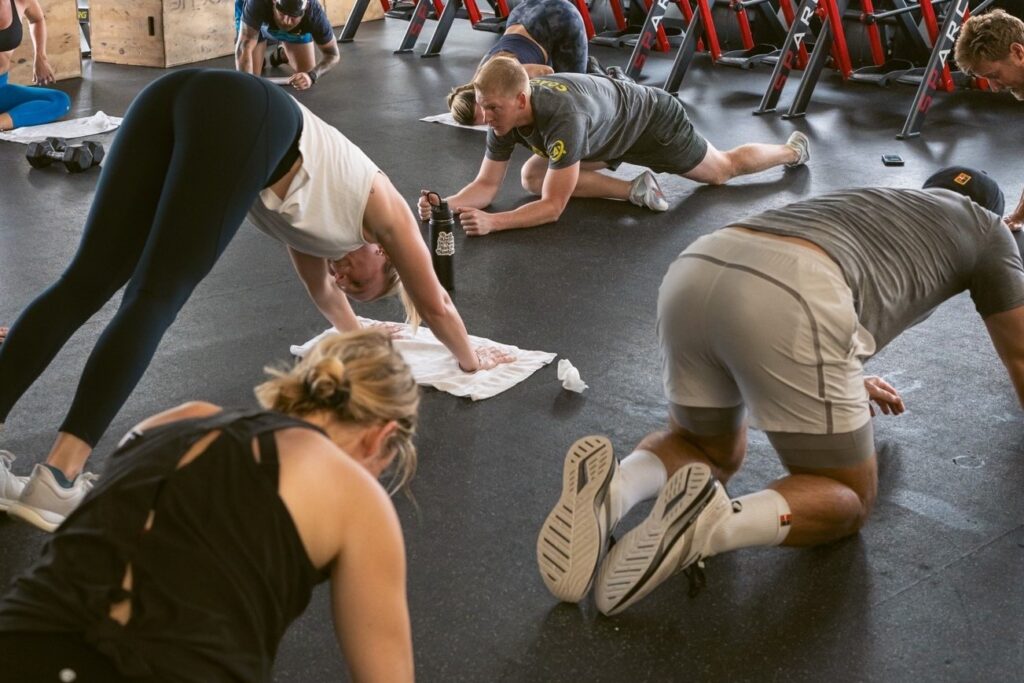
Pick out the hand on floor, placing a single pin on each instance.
(3, 334)
(884, 395)
(476, 222)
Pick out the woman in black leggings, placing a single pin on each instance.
(196, 150)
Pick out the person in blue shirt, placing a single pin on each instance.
(296, 25)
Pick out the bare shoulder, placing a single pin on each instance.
(186, 411)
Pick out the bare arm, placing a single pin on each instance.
(1016, 219)
(329, 56)
(324, 292)
(389, 222)
(183, 412)
(42, 73)
(555, 193)
(537, 70)
(368, 598)
(244, 48)
(1006, 330)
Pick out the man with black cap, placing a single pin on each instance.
(768, 322)
(296, 24)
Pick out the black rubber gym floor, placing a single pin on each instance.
(932, 589)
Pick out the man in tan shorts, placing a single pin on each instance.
(767, 323)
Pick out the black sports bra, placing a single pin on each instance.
(10, 37)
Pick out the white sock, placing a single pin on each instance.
(641, 475)
(760, 518)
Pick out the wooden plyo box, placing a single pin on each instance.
(62, 43)
(161, 32)
(338, 11)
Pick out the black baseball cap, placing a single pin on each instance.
(969, 182)
(293, 8)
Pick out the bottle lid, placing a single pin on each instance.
(440, 211)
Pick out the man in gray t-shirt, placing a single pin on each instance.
(768, 322)
(576, 124)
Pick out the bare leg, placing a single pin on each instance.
(828, 504)
(718, 167)
(68, 454)
(301, 56)
(678, 447)
(591, 183)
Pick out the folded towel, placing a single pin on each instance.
(448, 120)
(72, 128)
(433, 365)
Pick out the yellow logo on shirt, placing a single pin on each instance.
(556, 151)
(553, 85)
(538, 152)
(962, 179)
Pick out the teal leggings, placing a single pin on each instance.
(32, 106)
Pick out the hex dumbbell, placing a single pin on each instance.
(76, 158)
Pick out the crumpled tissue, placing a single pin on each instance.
(570, 377)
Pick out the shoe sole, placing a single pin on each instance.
(570, 545)
(659, 546)
(27, 514)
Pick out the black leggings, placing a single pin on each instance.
(192, 154)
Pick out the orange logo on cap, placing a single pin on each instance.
(962, 179)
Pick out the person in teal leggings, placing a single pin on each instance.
(21, 105)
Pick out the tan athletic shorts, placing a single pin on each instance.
(750, 321)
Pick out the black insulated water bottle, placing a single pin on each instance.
(442, 241)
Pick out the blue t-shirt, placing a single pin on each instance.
(260, 13)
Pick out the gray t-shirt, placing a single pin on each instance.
(904, 252)
(578, 118)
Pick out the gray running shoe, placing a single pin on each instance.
(11, 484)
(46, 504)
(672, 538)
(799, 143)
(645, 191)
(574, 537)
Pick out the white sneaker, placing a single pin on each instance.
(574, 537)
(799, 143)
(46, 504)
(673, 537)
(645, 191)
(11, 484)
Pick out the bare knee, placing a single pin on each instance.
(678, 447)
(717, 168)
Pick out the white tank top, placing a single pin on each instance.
(322, 211)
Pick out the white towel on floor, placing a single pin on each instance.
(433, 365)
(72, 128)
(448, 120)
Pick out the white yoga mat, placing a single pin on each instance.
(448, 120)
(433, 365)
(72, 128)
